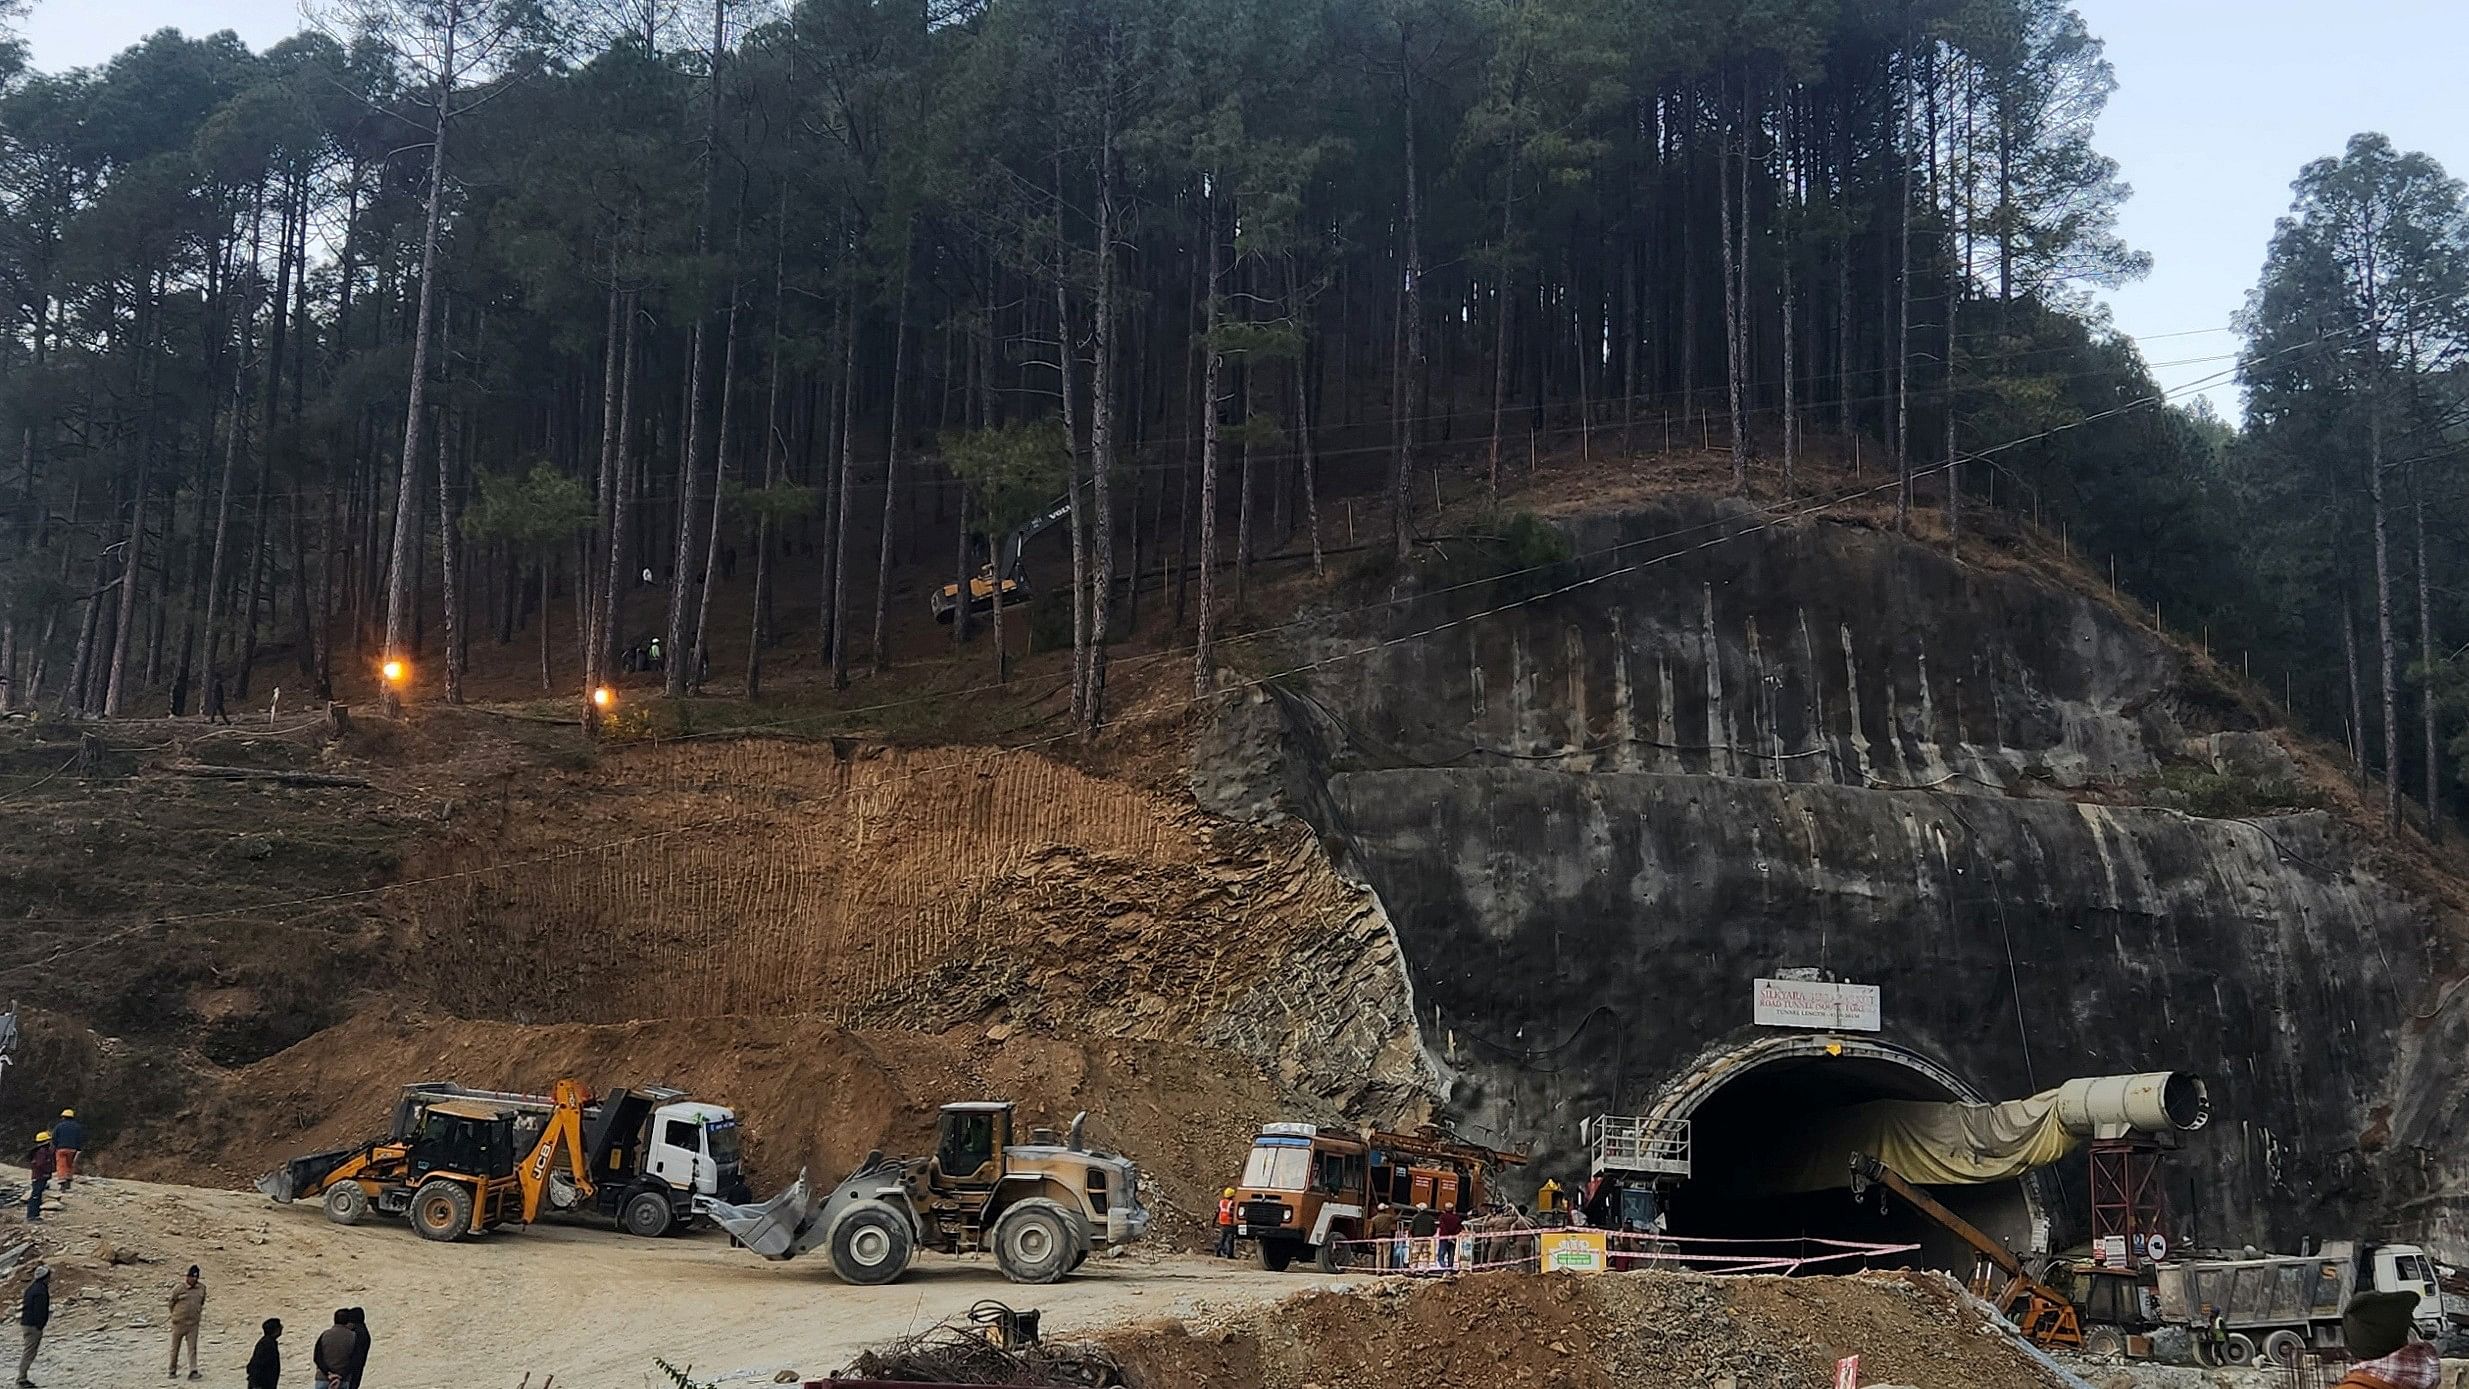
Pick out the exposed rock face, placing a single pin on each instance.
(1730, 750)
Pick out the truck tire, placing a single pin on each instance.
(1036, 1241)
(2283, 1348)
(645, 1213)
(1276, 1254)
(346, 1202)
(441, 1209)
(1329, 1256)
(2239, 1350)
(871, 1244)
(2104, 1342)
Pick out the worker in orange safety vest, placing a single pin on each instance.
(1226, 1224)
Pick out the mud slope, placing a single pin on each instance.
(1503, 1330)
(1596, 814)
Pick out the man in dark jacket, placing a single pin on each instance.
(68, 1139)
(356, 1363)
(266, 1362)
(33, 1314)
(333, 1350)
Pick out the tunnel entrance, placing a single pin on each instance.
(1756, 1130)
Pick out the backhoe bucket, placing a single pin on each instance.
(769, 1228)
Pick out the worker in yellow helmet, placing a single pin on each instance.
(1226, 1224)
(38, 1167)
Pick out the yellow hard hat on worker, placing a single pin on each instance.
(68, 1114)
(43, 1137)
(1227, 1192)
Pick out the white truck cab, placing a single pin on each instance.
(693, 1147)
(2405, 1268)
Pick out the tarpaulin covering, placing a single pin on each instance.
(1932, 1143)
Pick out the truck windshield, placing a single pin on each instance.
(1281, 1168)
(2410, 1268)
(723, 1140)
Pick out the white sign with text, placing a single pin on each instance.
(1815, 1003)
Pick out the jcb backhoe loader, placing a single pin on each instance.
(448, 1165)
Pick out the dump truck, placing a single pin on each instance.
(1307, 1190)
(1040, 1207)
(2283, 1305)
(639, 1157)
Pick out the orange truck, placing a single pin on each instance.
(1306, 1189)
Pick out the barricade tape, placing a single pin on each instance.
(1478, 1251)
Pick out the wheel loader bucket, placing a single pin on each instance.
(278, 1184)
(769, 1228)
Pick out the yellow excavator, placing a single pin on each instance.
(1004, 573)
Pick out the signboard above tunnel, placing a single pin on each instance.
(1815, 1003)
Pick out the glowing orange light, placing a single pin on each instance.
(602, 698)
(393, 671)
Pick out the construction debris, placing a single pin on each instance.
(978, 1349)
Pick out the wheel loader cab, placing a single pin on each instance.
(969, 1143)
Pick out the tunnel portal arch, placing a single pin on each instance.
(1748, 1103)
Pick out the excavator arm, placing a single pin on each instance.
(2041, 1312)
(560, 1148)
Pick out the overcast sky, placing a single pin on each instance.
(2218, 104)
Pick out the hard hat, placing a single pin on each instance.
(43, 1137)
(1228, 1192)
(68, 1114)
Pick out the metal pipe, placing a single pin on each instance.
(2151, 1102)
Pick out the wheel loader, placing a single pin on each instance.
(1040, 1207)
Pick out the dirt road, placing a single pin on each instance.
(592, 1307)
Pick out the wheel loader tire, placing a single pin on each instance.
(1276, 1254)
(871, 1244)
(346, 1202)
(2104, 1342)
(646, 1214)
(1035, 1241)
(2283, 1349)
(442, 1210)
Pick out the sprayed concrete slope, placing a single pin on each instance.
(1595, 815)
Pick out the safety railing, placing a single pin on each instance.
(1606, 1251)
(1635, 1143)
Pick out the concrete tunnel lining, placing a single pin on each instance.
(1740, 1100)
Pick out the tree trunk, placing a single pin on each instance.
(1203, 675)
(838, 612)
(1102, 443)
(2357, 699)
(720, 475)
(1067, 386)
(2426, 663)
(399, 596)
(1410, 394)
(1733, 274)
(679, 660)
(613, 597)
(891, 470)
(1303, 422)
(1503, 297)
(2388, 667)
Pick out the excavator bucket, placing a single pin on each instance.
(769, 1228)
